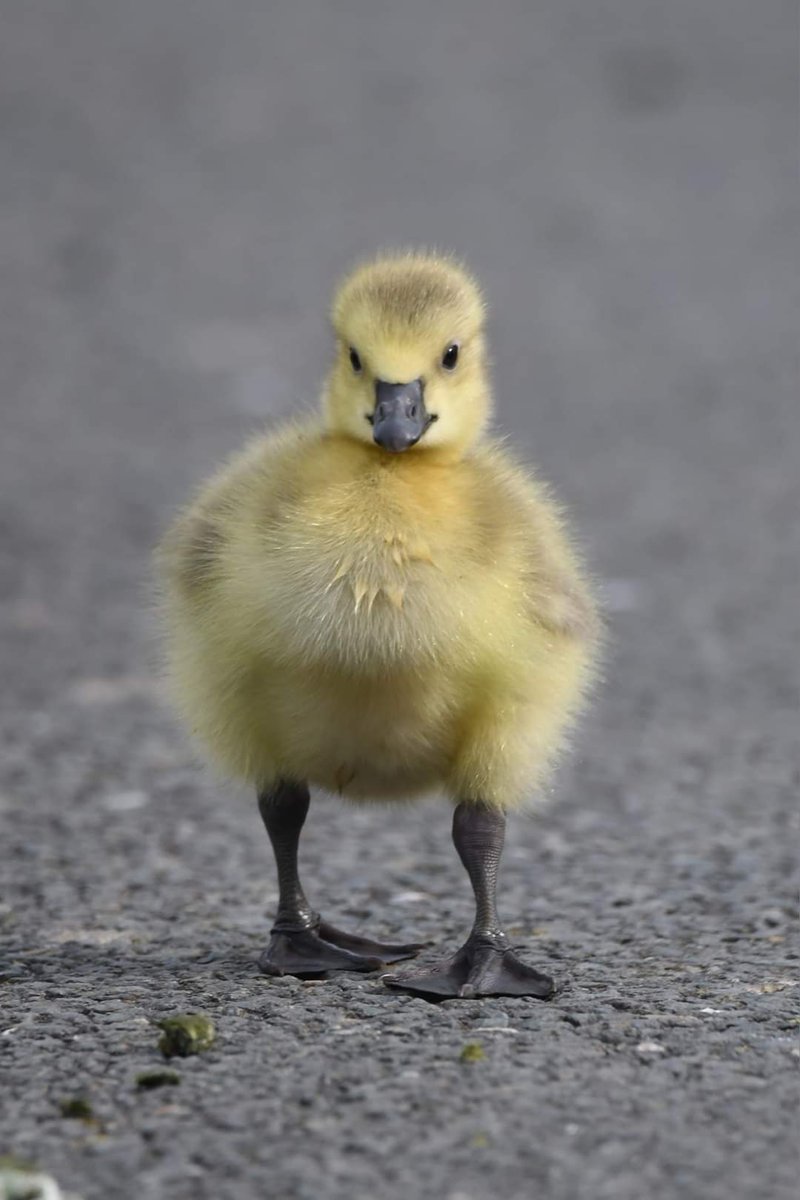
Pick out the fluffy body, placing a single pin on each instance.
(382, 625)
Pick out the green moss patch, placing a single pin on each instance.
(77, 1108)
(157, 1079)
(472, 1052)
(185, 1034)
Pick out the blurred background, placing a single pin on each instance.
(181, 185)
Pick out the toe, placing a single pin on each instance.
(502, 973)
(386, 952)
(442, 981)
(478, 969)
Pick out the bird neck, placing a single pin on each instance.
(419, 459)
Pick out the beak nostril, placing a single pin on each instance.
(412, 412)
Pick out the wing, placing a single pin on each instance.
(523, 521)
(239, 502)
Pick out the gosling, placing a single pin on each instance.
(378, 602)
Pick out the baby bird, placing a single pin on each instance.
(380, 603)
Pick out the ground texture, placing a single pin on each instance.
(181, 185)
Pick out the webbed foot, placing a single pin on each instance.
(481, 967)
(313, 952)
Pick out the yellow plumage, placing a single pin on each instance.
(382, 625)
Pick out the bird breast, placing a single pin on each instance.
(363, 603)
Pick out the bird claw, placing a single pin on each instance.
(477, 969)
(315, 952)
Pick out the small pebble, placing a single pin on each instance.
(651, 1048)
(493, 1021)
(122, 802)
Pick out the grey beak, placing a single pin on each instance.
(400, 417)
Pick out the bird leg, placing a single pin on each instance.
(485, 965)
(302, 943)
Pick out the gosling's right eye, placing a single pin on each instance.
(355, 361)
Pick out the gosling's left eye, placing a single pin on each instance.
(450, 357)
(355, 361)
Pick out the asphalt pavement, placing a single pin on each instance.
(181, 185)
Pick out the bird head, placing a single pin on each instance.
(410, 369)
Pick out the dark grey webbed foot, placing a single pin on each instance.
(485, 965)
(301, 943)
(482, 967)
(317, 951)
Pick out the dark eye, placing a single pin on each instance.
(355, 361)
(450, 357)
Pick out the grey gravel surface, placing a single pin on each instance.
(181, 184)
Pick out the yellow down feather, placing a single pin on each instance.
(382, 625)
